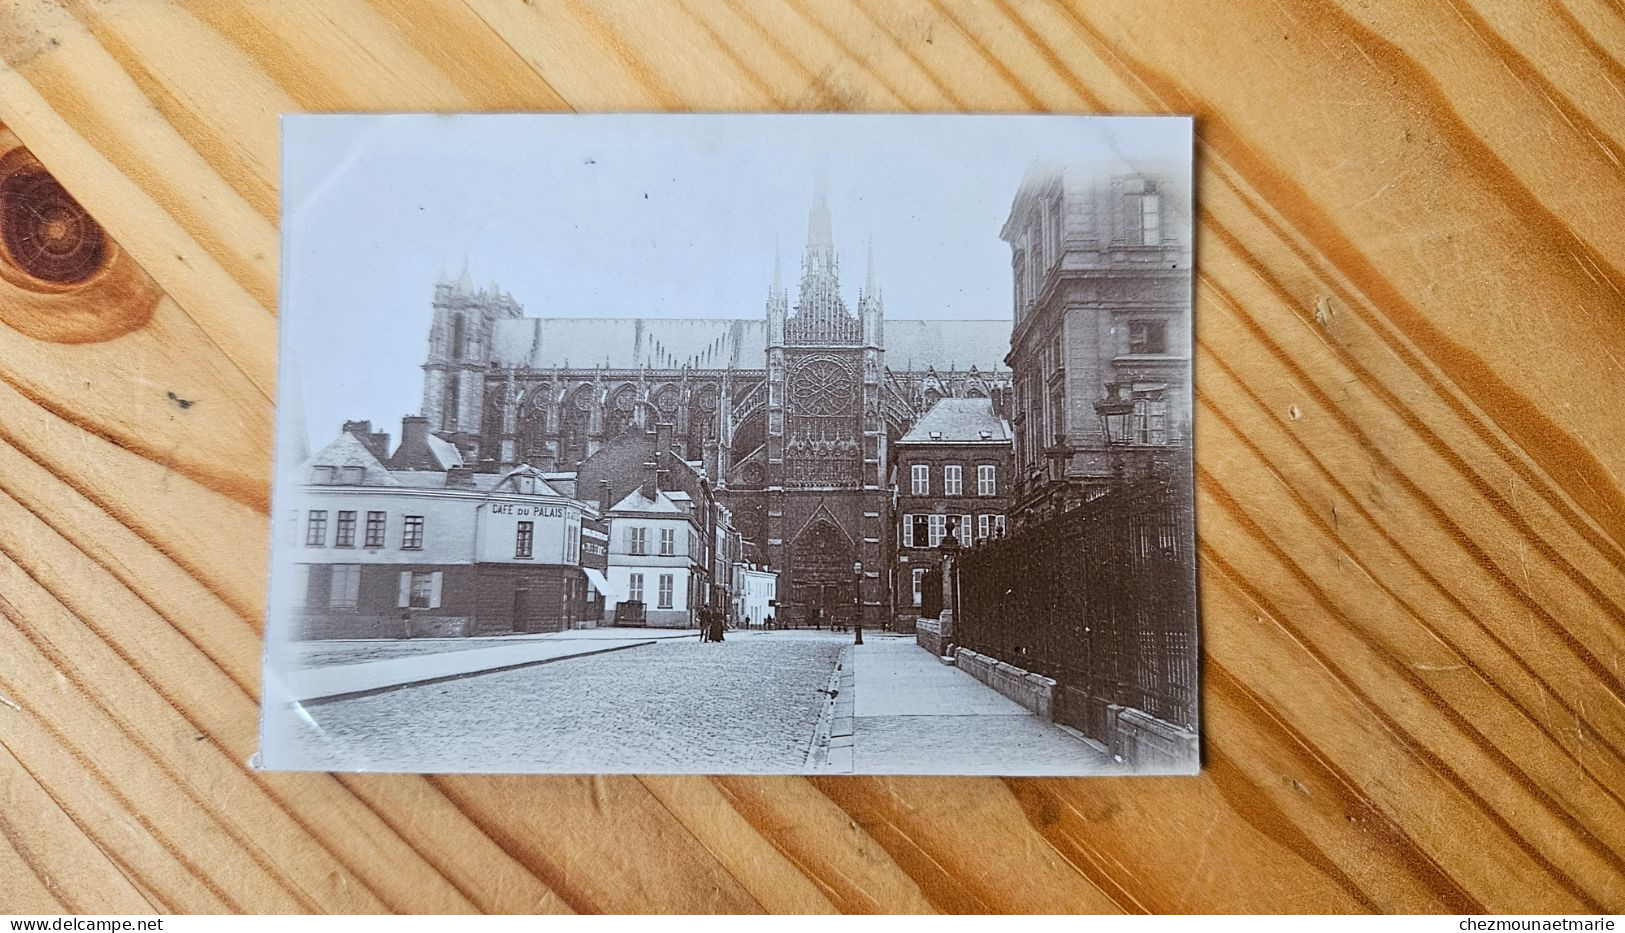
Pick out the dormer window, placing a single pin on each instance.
(322, 475)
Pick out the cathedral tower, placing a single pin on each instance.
(459, 356)
(827, 495)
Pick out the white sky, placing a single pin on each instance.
(636, 215)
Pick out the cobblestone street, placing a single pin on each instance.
(751, 703)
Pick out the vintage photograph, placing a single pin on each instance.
(734, 444)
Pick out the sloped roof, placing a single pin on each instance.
(446, 452)
(959, 421)
(347, 450)
(945, 345)
(630, 343)
(727, 343)
(524, 469)
(661, 503)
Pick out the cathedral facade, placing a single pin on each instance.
(792, 416)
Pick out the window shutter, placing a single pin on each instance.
(908, 530)
(403, 596)
(434, 590)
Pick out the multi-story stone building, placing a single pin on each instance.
(414, 543)
(1100, 348)
(953, 471)
(789, 416)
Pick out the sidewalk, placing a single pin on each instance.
(912, 714)
(441, 659)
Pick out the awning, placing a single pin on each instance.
(601, 584)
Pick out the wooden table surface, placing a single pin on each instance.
(1410, 447)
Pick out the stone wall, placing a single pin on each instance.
(928, 635)
(1033, 691)
(1148, 743)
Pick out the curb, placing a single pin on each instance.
(424, 681)
(823, 746)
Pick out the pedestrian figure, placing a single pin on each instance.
(716, 624)
(767, 623)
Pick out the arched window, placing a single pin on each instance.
(456, 336)
(450, 417)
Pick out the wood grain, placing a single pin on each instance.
(1411, 446)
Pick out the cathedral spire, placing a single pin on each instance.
(820, 235)
(778, 278)
(869, 279)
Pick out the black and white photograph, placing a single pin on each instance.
(734, 444)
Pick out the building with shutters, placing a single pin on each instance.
(953, 473)
(1100, 348)
(413, 543)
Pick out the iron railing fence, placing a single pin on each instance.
(1101, 598)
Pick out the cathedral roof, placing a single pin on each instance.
(947, 345)
(727, 343)
(959, 421)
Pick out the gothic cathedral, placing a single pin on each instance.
(791, 415)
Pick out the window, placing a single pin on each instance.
(937, 529)
(419, 589)
(953, 480)
(456, 336)
(354, 475)
(694, 544)
(984, 525)
(345, 591)
(921, 474)
(668, 542)
(322, 475)
(1150, 418)
(316, 528)
(450, 416)
(375, 529)
(908, 531)
(422, 590)
(346, 530)
(572, 543)
(524, 540)
(1150, 221)
(634, 588)
(300, 590)
(919, 579)
(412, 533)
(964, 530)
(665, 591)
(1150, 337)
(987, 479)
(637, 541)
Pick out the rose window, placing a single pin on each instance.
(823, 387)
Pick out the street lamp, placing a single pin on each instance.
(857, 597)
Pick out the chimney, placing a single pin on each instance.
(650, 481)
(460, 477)
(663, 438)
(603, 498)
(375, 441)
(414, 431)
